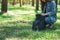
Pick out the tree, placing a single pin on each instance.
(4, 6)
(32, 2)
(29, 1)
(56, 4)
(13, 2)
(20, 1)
(42, 4)
(23, 2)
(37, 4)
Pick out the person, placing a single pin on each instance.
(49, 10)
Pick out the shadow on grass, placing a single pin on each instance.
(1, 13)
(20, 8)
(15, 31)
(3, 16)
(57, 25)
(58, 11)
(23, 30)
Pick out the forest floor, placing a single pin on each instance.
(17, 25)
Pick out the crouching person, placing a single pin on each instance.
(49, 12)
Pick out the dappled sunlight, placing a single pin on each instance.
(20, 27)
(24, 7)
(58, 21)
(16, 24)
(19, 12)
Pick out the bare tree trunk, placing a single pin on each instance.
(4, 6)
(13, 2)
(56, 4)
(37, 4)
(20, 1)
(32, 2)
(23, 2)
(42, 5)
(29, 1)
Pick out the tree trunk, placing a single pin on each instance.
(23, 2)
(29, 1)
(32, 2)
(37, 4)
(56, 5)
(13, 2)
(20, 1)
(42, 5)
(4, 6)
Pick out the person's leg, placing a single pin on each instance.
(51, 25)
(50, 21)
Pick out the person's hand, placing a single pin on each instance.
(42, 14)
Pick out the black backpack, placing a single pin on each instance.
(39, 23)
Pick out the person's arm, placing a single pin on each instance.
(53, 10)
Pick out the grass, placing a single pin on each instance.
(19, 27)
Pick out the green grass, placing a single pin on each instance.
(19, 27)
